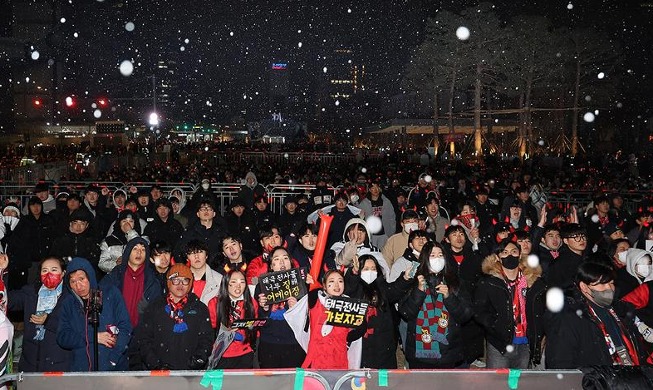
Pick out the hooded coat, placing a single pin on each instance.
(151, 288)
(388, 219)
(364, 248)
(248, 192)
(75, 333)
(493, 306)
(112, 247)
(627, 279)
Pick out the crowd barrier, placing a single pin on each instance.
(226, 192)
(303, 379)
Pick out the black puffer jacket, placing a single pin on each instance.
(574, 340)
(161, 348)
(460, 312)
(493, 307)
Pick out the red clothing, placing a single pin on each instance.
(325, 352)
(639, 297)
(240, 347)
(198, 287)
(132, 291)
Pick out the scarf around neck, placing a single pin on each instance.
(47, 300)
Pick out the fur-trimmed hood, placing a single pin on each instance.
(492, 266)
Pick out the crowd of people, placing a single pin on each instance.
(478, 274)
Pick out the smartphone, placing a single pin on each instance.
(414, 265)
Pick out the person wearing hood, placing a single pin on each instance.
(176, 212)
(435, 309)
(378, 205)
(10, 218)
(592, 328)
(175, 333)
(180, 194)
(251, 190)
(355, 243)
(366, 282)
(637, 270)
(95, 202)
(30, 242)
(135, 279)
(75, 331)
(119, 200)
(41, 304)
(124, 229)
(509, 304)
(291, 217)
(78, 240)
(164, 226)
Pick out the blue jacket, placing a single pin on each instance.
(76, 333)
(44, 355)
(152, 286)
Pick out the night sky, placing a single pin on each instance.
(223, 48)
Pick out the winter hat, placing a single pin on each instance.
(12, 207)
(611, 228)
(127, 214)
(81, 214)
(179, 271)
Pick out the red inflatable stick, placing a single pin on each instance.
(320, 246)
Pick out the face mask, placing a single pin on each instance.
(643, 270)
(409, 227)
(510, 262)
(51, 280)
(206, 186)
(354, 198)
(602, 298)
(436, 264)
(622, 257)
(368, 276)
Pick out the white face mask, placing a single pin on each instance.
(205, 186)
(643, 270)
(622, 257)
(353, 198)
(409, 227)
(436, 264)
(368, 276)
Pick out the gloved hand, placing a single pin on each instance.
(646, 332)
(347, 254)
(196, 363)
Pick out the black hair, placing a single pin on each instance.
(371, 292)
(522, 234)
(267, 231)
(503, 244)
(304, 227)
(417, 233)
(233, 237)
(276, 248)
(62, 263)
(552, 227)
(329, 273)
(205, 202)
(160, 246)
(593, 272)
(454, 228)
(362, 228)
(195, 246)
(571, 229)
(448, 275)
(224, 307)
(612, 248)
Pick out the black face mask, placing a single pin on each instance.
(510, 262)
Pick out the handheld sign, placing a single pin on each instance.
(222, 342)
(279, 286)
(249, 323)
(347, 312)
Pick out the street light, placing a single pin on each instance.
(154, 119)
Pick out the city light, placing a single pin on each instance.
(154, 119)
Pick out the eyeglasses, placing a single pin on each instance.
(578, 237)
(176, 281)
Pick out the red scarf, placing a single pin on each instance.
(132, 291)
(518, 288)
(628, 343)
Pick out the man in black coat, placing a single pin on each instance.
(209, 229)
(562, 270)
(78, 240)
(164, 227)
(592, 329)
(175, 333)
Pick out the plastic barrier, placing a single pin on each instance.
(303, 379)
